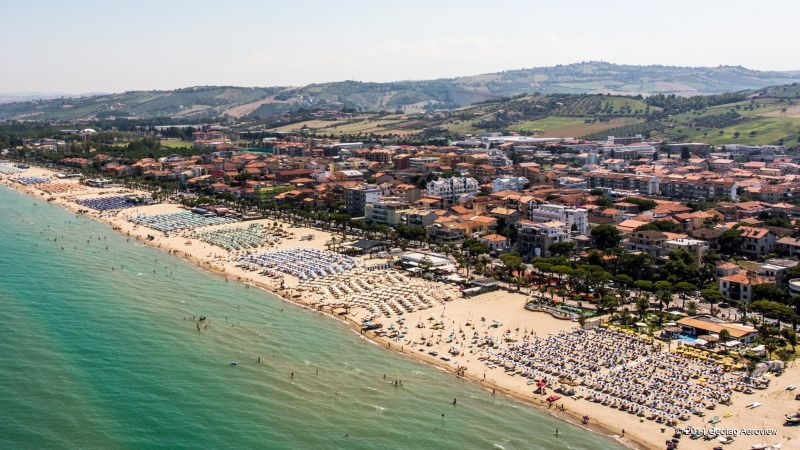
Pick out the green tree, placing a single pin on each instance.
(684, 288)
(563, 248)
(730, 241)
(712, 296)
(724, 336)
(642, 303)
(774, 309)
(623, 280)
(513, 263)
(608, 303)
(659, 225)
(425, 264)
(606, 236)
(771, 292)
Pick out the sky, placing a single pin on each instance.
(93, 46)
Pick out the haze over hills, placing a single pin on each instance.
(406, 96)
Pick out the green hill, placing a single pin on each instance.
(622, 81)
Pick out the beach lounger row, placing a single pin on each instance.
(107, 203)
(237, 238)
(178, 221)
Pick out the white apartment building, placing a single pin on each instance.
(509, 184)
(455, 189)
(576, 219)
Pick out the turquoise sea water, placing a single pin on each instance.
(92, 357)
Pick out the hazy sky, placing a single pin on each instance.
(92, 46)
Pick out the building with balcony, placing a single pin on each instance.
(576, 219)
(455, 189)
(357, 198)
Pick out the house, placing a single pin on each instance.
(419, 217)
(495, 242)
(509, 215)
(694, 247)
(788, 246)
(647, 241)
(723, 269)
(756, 241)
(739, 286)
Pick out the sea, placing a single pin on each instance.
(100, 349)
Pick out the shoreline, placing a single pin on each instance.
(604, 421)
(570, 416)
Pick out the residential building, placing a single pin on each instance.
(418, 162)
(739, 287)
(419, 217)
(495, 242)
(387, 210)
(535, 239)
(577, 219)
(643, 184)
(788, 246)
(694, 247)
(756, 241)
(647, 241)
(454, 189)
(509, 184)
(357, 198)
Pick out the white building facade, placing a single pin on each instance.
(455, 189)
(509, 184)
(576, 219)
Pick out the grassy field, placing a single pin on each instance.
(765, 130)
(569, 126)
(548, 123)
(175, 143)
(583, 129)
(358, 125)
(379, 126)
(462, 127)
(618, 104)
(309, 124)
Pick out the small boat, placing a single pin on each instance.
(726, 439)
(791, 387)
(234, 363)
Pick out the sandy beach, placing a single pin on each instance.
(439, 328)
